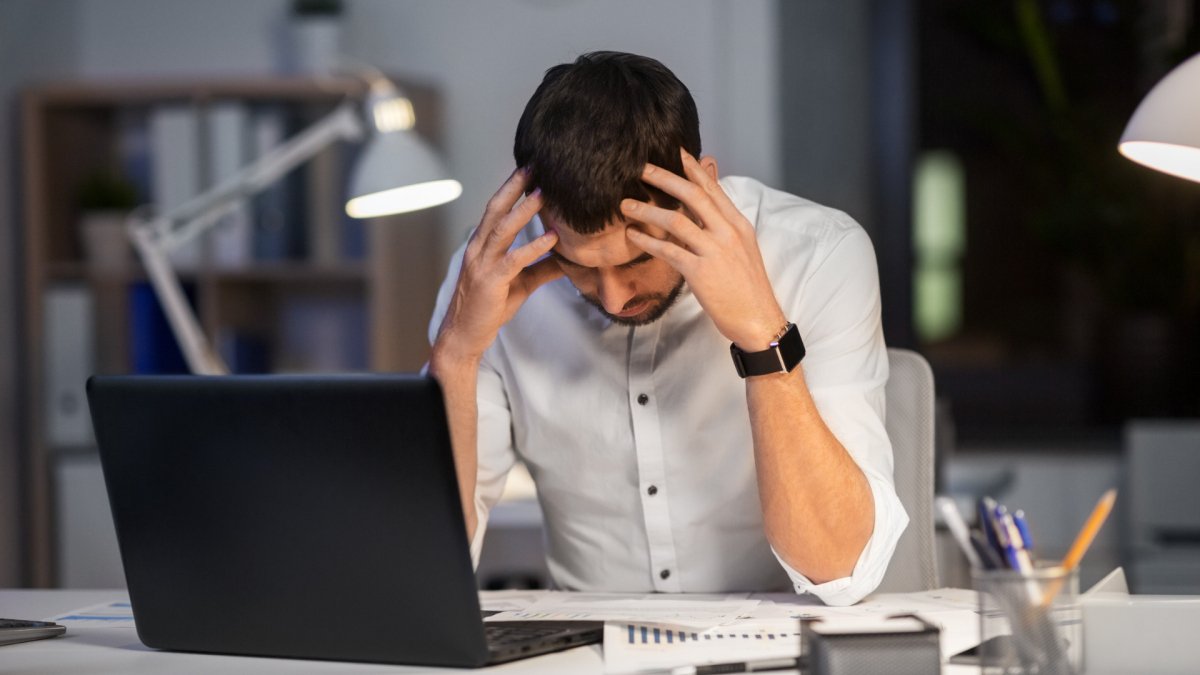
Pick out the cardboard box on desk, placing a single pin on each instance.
(1147, 634)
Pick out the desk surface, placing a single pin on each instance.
(101, 650)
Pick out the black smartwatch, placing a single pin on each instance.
(782, 356)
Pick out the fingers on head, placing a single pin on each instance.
(669, 251)
(505, 230)
(502, 202)
(523, 256)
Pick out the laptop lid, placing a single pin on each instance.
(297, 516)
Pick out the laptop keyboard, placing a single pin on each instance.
(517, 639)
(502, 636)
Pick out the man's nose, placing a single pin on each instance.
(614, 292)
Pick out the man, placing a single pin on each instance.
(587, 329)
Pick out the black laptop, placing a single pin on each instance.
(298, 516)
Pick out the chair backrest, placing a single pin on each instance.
(910, 426)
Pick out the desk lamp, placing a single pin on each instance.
(1164, 132)
(396, 173)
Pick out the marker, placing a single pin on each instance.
(958, 529)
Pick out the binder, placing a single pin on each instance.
(228, 151)
(69, 358)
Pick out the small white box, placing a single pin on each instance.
(1145, 634)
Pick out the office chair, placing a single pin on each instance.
(909, 423)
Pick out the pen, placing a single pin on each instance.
(789, 663)
(1005, 545)
(958, 529)
(1023, 527)
(1014, 544)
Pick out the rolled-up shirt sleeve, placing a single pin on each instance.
(494, 438)
(846, 369)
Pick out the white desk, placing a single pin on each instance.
(97, 651)
(104, 651)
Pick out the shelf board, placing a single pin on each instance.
(291, 272)
(80, 271)
(156, 91)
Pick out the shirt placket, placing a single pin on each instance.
(647, 439)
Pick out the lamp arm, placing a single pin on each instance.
(200, 357)
(181, 224)
(156, 237)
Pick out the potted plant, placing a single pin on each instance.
(105, 201)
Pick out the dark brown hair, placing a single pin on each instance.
(593, 124)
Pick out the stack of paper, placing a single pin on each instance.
(680, 610)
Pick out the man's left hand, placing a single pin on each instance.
(717, 253)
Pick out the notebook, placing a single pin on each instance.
(311, 517)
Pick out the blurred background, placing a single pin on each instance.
(1053, 285)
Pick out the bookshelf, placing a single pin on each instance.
(359, 303)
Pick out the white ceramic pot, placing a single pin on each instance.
(105, 243)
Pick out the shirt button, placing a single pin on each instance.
(643, 399)
(665, 574)
(652, 490)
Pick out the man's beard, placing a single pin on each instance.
(652, 314)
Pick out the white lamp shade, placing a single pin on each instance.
(1164, 132)
(396, 173)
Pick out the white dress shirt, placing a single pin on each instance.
(638, 438)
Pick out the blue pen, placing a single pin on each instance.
(1023, 528)
(1007, 549)
(1024, 563)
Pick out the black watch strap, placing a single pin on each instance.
(781, 357)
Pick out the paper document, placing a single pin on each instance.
(679, 610)
(107, 615)
(631, 647)
(952, 610)
(509, 601)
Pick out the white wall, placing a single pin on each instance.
(139, 38)
(487, 58)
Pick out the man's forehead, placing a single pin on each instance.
(606, 248)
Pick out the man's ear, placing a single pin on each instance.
(709, 164)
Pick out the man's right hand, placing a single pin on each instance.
(494, 281)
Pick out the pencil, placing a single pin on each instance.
(1086, 535)
(1082, 541)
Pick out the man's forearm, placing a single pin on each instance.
(459, 379)
(817, 505)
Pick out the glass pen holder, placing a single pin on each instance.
(1029, 623)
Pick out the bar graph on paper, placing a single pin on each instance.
(630, 647)
(660, 635)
